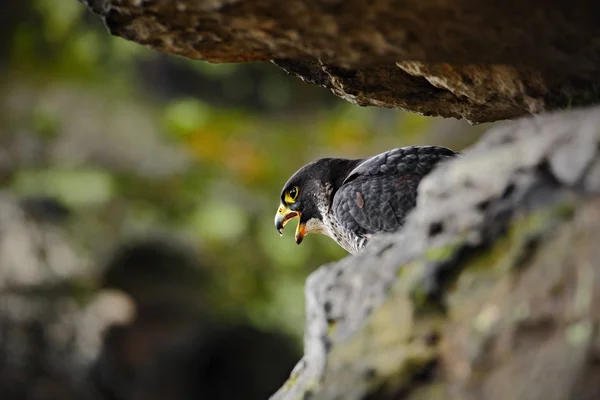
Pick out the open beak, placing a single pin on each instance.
(284, 214)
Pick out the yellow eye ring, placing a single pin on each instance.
(292, 194)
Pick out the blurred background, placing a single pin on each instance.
(138, 257)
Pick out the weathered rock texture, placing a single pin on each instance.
(483, 61)
(491, 291)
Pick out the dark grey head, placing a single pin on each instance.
(308, 194)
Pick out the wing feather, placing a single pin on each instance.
(387, 184)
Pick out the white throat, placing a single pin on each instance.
(315, 225)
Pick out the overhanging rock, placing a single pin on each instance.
(491, 291)
(483, 61)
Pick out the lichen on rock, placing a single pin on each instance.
(490, 289)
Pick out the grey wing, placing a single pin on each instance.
(404, 160)
(378, 193)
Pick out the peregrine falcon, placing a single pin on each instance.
(351, 200)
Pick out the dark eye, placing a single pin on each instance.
(291, 195)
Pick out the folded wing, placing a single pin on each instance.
(376, 195)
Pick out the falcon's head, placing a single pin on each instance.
(308, 195)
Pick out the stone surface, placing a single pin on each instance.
(453, 58)
(491, 291)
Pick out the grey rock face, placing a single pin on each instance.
(490, 290)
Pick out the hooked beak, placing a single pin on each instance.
(284, 214)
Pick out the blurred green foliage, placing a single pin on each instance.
(135, 142)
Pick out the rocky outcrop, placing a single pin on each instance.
(491, 290)
(483, 61)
